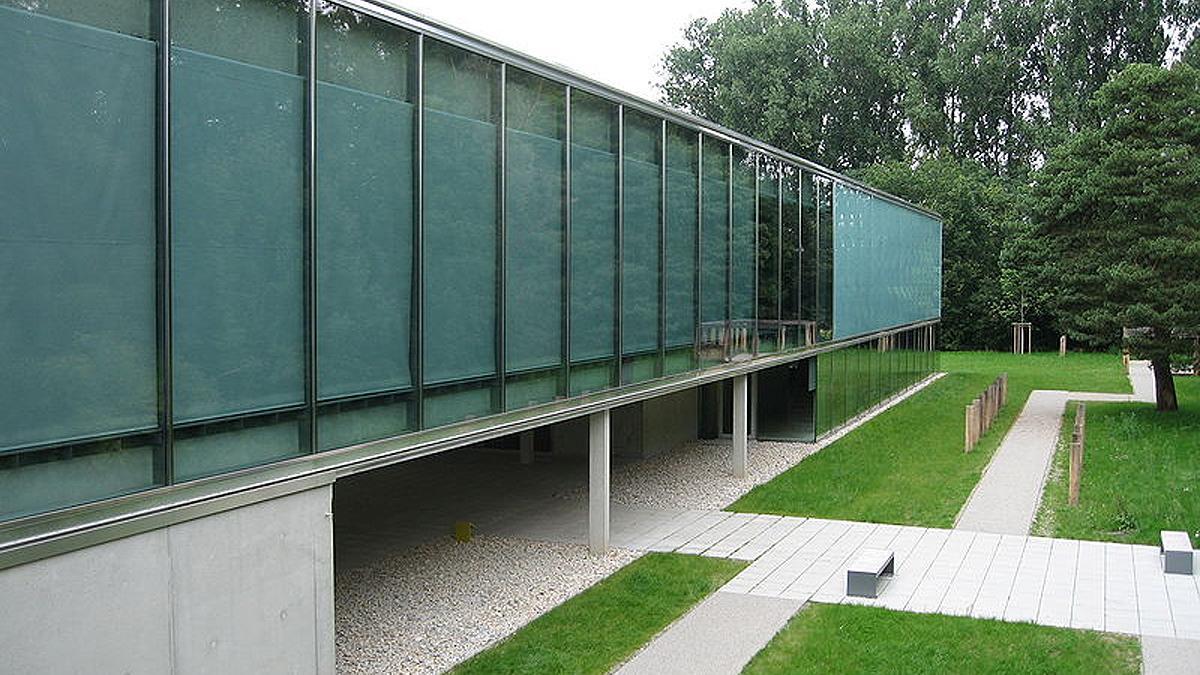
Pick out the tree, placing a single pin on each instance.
(1116, 211)
(980, 212)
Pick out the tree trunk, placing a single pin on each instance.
(1164, 385)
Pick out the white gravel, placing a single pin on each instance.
(696, 475)
(437, 604)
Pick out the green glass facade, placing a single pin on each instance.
(242, 231)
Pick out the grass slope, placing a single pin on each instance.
(608, 622)
(1141, 473)
(853, 639)
(907, 465)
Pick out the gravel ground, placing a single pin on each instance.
(437, 604)
(696, 475)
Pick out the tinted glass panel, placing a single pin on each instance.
(460, 231)
(536, 117)
(744, 259)
(768, 256)
(365, 119)
(593, 239)
(77, 227)
(714, 253)
(789, 260)
(640, 248)
(682, 227)
(237, 129)
(886, 262)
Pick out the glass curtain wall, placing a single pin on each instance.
(854, 379)
(336, 230)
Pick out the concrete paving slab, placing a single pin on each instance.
(1168, 656)
(718, 637)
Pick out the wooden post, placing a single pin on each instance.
(967, 429)
(1076, 467)
(1062, 345)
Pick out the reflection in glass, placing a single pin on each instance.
(714, 253)
(768, 253)
(682, 228)
(744, 259)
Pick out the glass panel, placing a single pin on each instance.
(593, 241)
(641, 246)
(237, 129)
(536, 120)
(32, 482)
(682, 226)
(768, 256)
(789, 260)
(460, 230)
(365, 122)
(886, 259)
(77, 245)
(808, 256)
(209, 449)
(360, 420)
(825, 259)
(744, 259)
(714, 267)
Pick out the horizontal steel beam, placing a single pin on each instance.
(41, 536)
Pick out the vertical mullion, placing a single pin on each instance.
(310, 231)
(162, 244)
(502, 244)
(417, 347)
(661, 365)
(619, 324)
(565, 384)
(697, 285)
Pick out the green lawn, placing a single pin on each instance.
(907, 465)
(1141, 473)
(851, 639)
(607, 623)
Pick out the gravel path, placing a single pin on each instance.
(437, 604)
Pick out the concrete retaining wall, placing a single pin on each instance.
(244, 591)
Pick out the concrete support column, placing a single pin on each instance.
(526, 439)
(741, 406)
(598, 473)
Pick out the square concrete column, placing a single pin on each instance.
(741, 415)
(526, 439)
(598, 472)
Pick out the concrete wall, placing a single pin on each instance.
(244, 591)
(641, 429)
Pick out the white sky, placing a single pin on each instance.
(618, 42)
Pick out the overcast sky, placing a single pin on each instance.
(618, 42)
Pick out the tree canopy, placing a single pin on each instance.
(1116, 214)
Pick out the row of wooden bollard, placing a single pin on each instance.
(1076, 471)
(983, 410)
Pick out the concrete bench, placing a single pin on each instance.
(868, 571)
(1176, 552)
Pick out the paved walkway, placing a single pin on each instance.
(719, 636)
(1006, 498)
(1118, 588)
